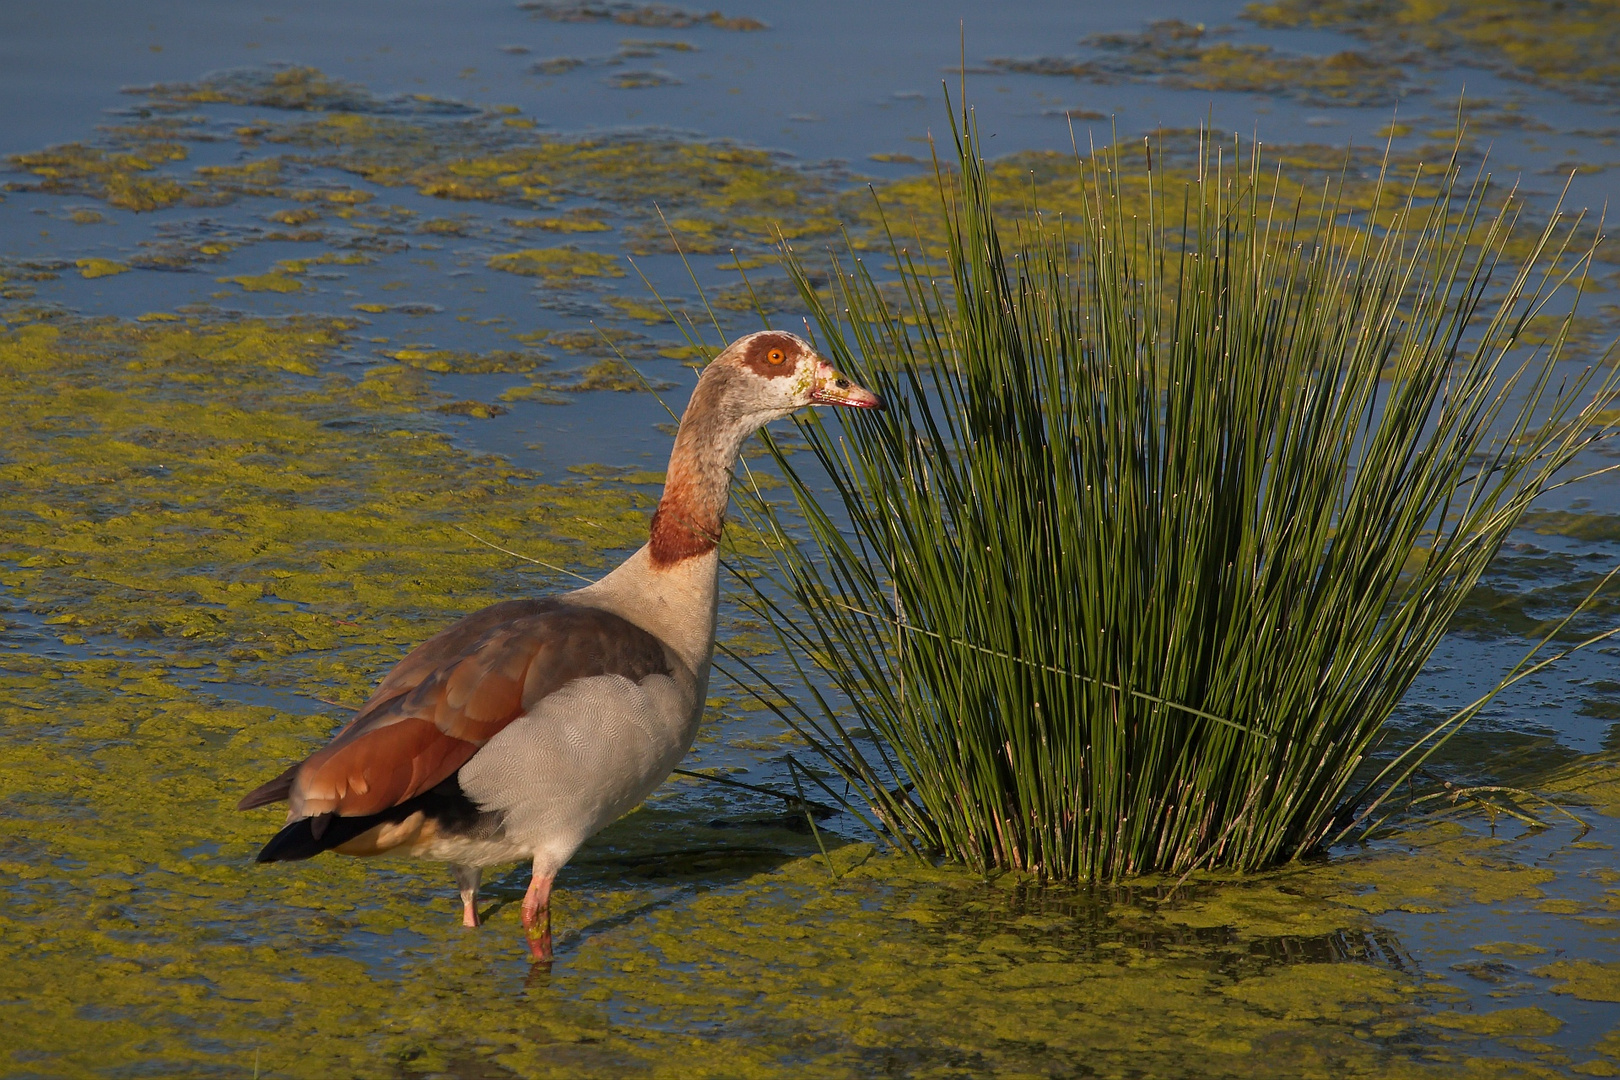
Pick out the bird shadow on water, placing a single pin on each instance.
(658, 858)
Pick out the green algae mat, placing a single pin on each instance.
(218, 525)
(248, 535)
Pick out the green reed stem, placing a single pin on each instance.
(1172, 503)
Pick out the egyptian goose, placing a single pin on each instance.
(526, 727)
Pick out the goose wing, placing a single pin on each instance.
(450, 695)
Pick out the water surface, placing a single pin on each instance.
(293, 299)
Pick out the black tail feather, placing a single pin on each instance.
(444, 804)
(308, 837)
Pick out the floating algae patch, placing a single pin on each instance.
(478, 410)
(133, 170)
(1592, 781)
(444, 227)
(609, 374)
(1437, 868)
(606, 374)
(178, 255)
(1530, 1020)
(1589, 980)
(579, 220)
(1529, 588)
(129, 181)
(661, 193)
(1344, 78)
(292, 87)
(685, 949)
(741, 194)
(455, 362)
(642, 80)
(557, 265)
(195, 488)
(441, 149)
(1062, 184)
(285, 276)
(95, 268)
(627, 13)
(273, 281)
(642, 311)
(1573, 45)
(1179, 54)
(908, 208)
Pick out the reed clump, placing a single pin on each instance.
(1172, 502)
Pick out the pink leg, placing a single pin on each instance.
(537, 916)
(467, 884)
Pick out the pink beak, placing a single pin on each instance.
(833, 388)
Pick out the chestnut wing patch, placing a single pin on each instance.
(450, 695)
(449, 645)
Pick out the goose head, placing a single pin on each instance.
(767, 375)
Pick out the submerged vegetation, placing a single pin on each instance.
(1180, 54)
(1573, 45)
(332, 148)
(626, 13)
(556, 265)
(1173, 503)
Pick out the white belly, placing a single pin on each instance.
(581, 758)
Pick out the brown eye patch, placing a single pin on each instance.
(771, 355)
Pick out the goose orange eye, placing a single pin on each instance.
(776, 356)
